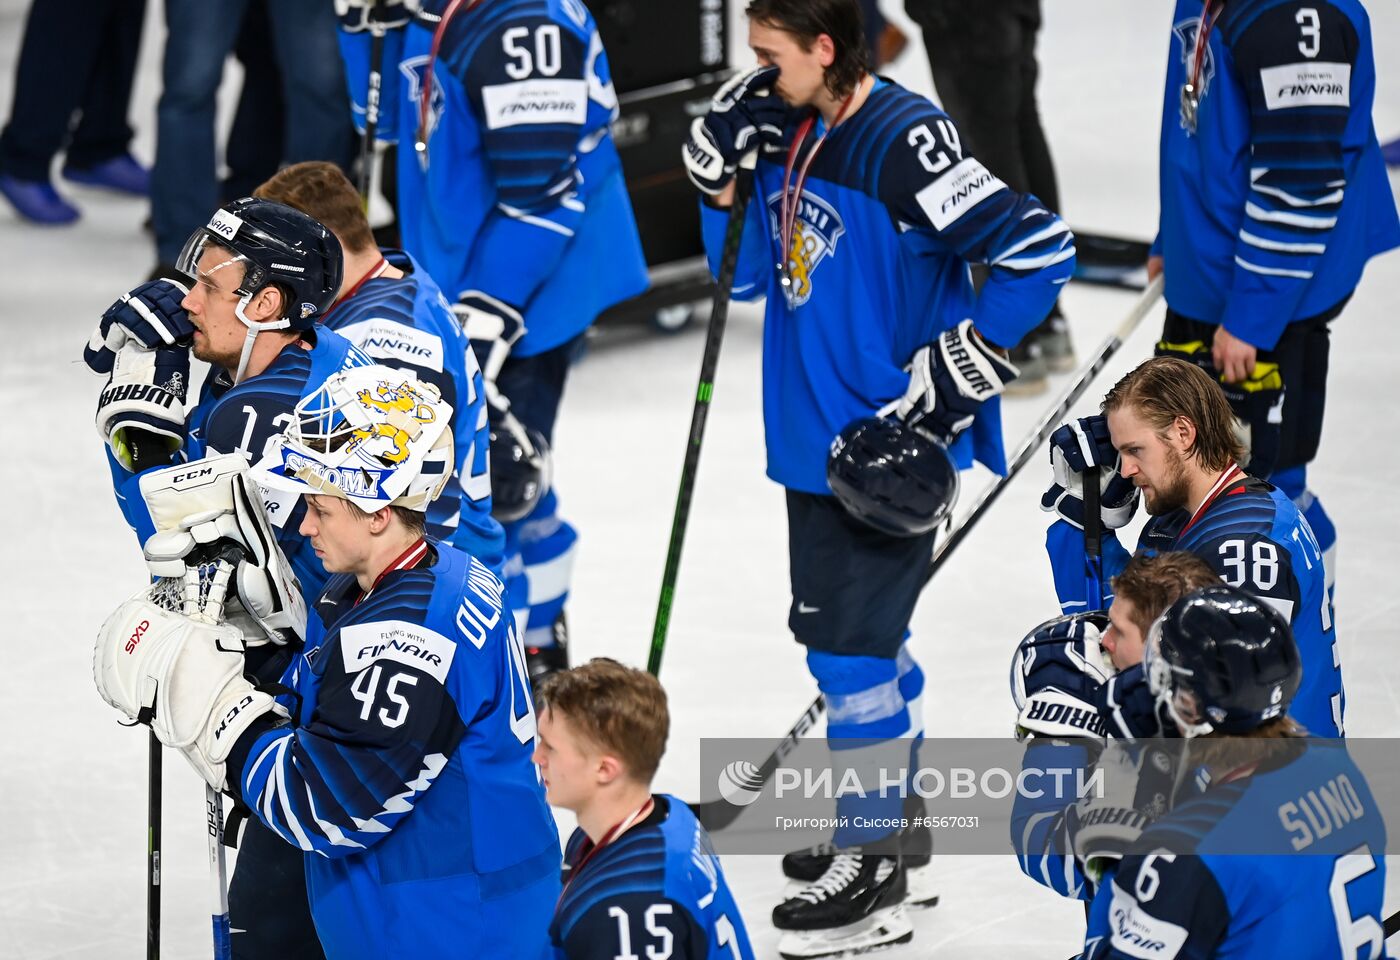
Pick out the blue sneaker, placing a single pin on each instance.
(37, 201)
(121, 174)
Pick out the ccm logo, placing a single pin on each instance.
(136, 635)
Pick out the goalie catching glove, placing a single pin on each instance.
(1136, 784)
(182, 675)
(213, 502)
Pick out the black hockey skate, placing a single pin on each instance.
(853, 907)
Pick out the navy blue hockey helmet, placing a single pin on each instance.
(521, 472)
(274, 243)
(1221, 659)
(891, 477)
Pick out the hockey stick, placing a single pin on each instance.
(144, 449)
(211, 610)
(1391, 925)
(368, 157)
(714, 337)
(719, 813)
(1093, 532)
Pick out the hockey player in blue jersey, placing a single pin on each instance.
(1078, 680)
(511, 196)
(866, 214)
(1236, 870)
(395, 314)
(1167, 432)
(640, 875)
(1273, 197)
(262, 276)
(400, 760)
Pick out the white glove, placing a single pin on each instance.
(213, 502)
(1137, 780)
(493, 327)
(949, 379)
(183, 676)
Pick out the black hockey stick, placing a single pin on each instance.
(1391, 925)
(1093, 528)
(368, 157)
(714, 337)
(719, 813)
(145, 450)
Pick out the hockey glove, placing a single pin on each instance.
(949, 380)
(150, 314)
(493, 327)
(743, 114)
(1076, 448)
(1257, 402)
(145, 393)
(213, 503)
(1136, 783)
(356, 16)
(1055, 674)
(183, 676)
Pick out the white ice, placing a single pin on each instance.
(73, 782)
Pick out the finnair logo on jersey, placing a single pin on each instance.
(413, 644)
(1306, 85)
(814, 237)
(956, 192)
(535, 101)
(388, 340)
(1138, 933)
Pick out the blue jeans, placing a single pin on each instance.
(185, 185)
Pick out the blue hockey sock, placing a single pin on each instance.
(546, 543)
(867, 719)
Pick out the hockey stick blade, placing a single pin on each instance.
(719, 813)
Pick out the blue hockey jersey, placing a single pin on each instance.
(406, 775)
(1273, 203)
(656, 891)
(244, 418)
(1286, 862)
(405, 323)
(519, 192)
(891, 214)
(1253, 536)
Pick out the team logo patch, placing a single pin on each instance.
(397, 415)
(414, 70)
(814, 238)
(1186, 32)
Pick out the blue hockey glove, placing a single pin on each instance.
(359, 15)
(146, 393)
(743, 113)
(949, 380)
(150, 315)
(1075, 448)
(1055, 673)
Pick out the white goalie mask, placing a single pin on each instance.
(372, 435)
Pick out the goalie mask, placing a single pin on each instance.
(372, 435)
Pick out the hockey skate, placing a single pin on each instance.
(854, 907)
(915, 852)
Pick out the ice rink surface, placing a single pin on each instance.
(73, 782)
